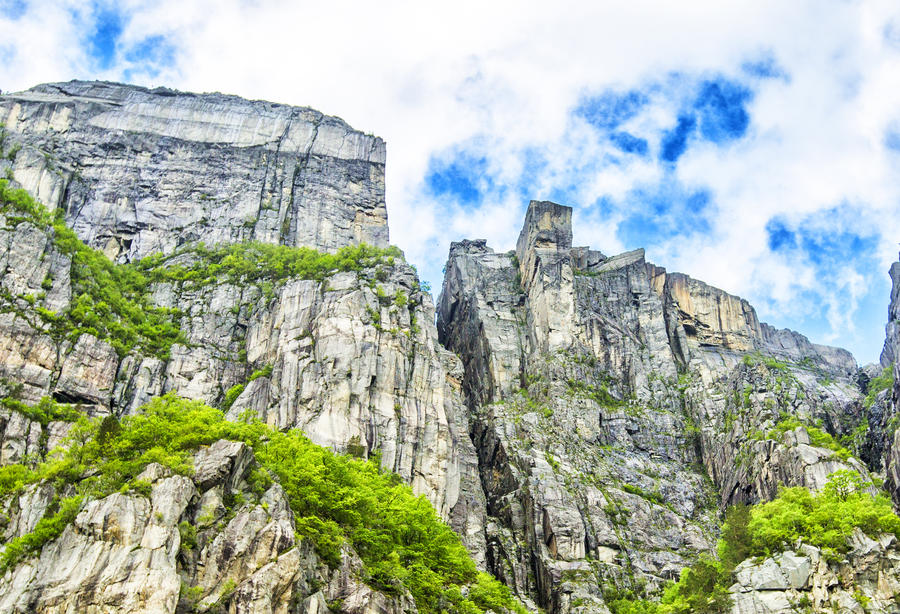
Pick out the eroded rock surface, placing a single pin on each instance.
(207, 543)
(353, 359)
(140, 171)
(866, 580)
(617, 408)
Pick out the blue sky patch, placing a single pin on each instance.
(463, 177)
(822, 242)
(892, 34)
(837, 249)
(533, 164)
(102, 41)
(610, 109)
(765, 68)
(674, 142)
(149, 56)
(780, 238)
(7, 53)
(153, 49)
(892, 139)
(720, 105)
(13, 9)
(823, 247)
(629, 143)
(662, 212)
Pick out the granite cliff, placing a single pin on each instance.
(581, 421)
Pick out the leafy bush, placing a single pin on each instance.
(817, 436)
(335, 499)
(48, 528)
(701, 589)
(248, 263)
(755, 358)
(264, 372)
(109, 301)
(734, 543)
(878, 384)
(231, 396)
(113, 301)
(825, 520)
(599, 394)
(46, 411)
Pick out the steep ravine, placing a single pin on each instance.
(581, 421)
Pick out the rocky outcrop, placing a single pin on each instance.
(701, 317)
(891, 350)
(595, 384)
(884, 411)
(866, 580)
(352, 359)
(139, 171)
(207, 543)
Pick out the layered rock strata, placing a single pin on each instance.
(352, 359)
(189, 545)
(602, 393)
(139, 171)
(581, 420)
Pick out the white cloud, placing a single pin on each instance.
(428, 77)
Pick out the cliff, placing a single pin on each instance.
(581, 421)
(617, 408)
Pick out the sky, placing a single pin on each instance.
(752, 145)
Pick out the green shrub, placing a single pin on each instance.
(598, 393)
(231, 396)
(772, 363)
(188, 534)
(400, 299)
(335, 499)
(46, 411)
(13, 478)
(113, 301)
(264, 372)
(109, 301)
(252, 262)
(48, 528)
(734, 543)
(878, 384)
(824, 519)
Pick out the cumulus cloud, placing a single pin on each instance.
(736, 144)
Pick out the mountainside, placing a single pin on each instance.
(582, 422)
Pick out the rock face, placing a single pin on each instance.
(596, 388)
(184, 547)
(353, 359)
(883, 413)
(580, 420)
(867, 580)
(139, 171)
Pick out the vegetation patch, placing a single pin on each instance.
(817, 436)
(336, 499)
(755, 358)
(46, 411)
(879, 384)
(255, 262)
(598, 393)
(109, 301)
(113, 301)
(825, 520)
